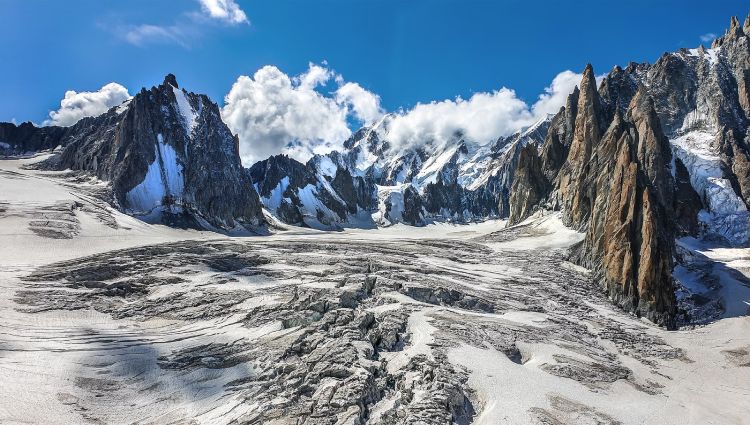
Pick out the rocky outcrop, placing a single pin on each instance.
(275, 179)
(26, 137)
(577, 196)
(636, 230)
(530, 185)
(316, 194)
(167, 156)
(554, 150)
(634, 162)
(615, 185)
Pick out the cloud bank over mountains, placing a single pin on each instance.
(316, 111)
(75, 105)
(302, 115)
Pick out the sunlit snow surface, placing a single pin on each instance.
(123, 106)
(273, 201)
(189, 115)
(119, 321)
(710, 55)
(163, 178)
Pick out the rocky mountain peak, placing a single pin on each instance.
(167, 157)
(736, 31)
(171, 80)
(734, 24)
(615, 185)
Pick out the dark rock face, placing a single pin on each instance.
(687, 203)
(530, 185)
(26, 137)
(554, 150)
(168, 157)
(278, 176)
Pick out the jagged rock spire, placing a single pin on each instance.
(587, 131)
(734, 24)
(653, 150)
(734, 32)
(589, 80)
(171, 79)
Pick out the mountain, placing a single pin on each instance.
(370, 183)
(656, 152)
(166, 154)
(26, 138)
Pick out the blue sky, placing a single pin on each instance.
(405, 51)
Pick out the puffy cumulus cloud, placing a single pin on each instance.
(555, 96)
(274, 113)
(482, 118)
(224, 10)
(87, 104)
(315, 76)
(364, 103)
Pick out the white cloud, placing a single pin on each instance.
(224, 10)
(315, 76)
(185, 28)
(273, 113)
(365, 104)
(708, 37)
(141, 35)
(482, 118)
(87, 104)
(556, 94)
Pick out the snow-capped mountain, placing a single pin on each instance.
(686, 171)
(370, 183)
(701, 98)
(654, 153)
(166, 154)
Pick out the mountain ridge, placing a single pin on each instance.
(653, 153)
